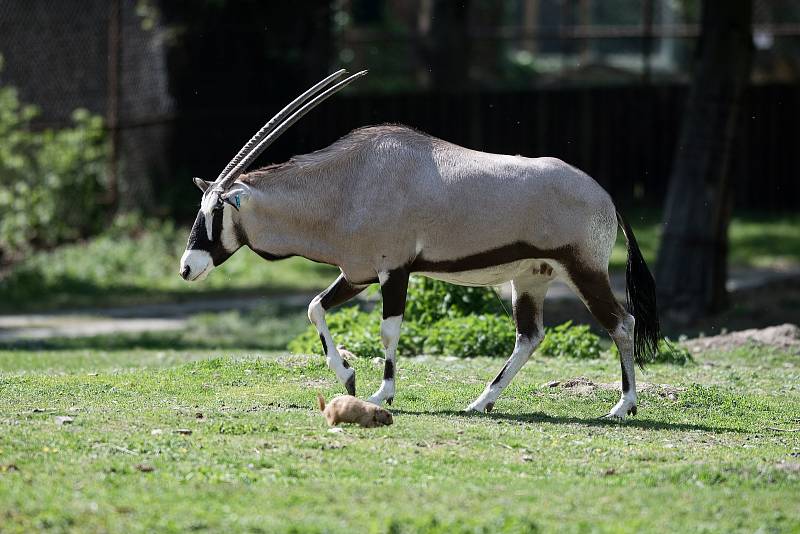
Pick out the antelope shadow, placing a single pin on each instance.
(539, 417)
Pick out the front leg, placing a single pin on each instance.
(339, 292)
(394, 286)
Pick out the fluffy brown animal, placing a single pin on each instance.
(349, 409)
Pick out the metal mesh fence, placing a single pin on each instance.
(101, 56)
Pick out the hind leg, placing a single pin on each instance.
(593, 287)
(527, 296)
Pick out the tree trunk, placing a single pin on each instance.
(692, 269)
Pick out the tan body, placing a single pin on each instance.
(349, 409)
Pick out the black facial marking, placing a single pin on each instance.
(388, 370)
(324, 344)
(198, 238)
(345, 364)
(500, 374)
(525, 315)
(394, 293)
(626, 386)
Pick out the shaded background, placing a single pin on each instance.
(604, 85)
(599, 84)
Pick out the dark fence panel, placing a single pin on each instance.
(624, 137)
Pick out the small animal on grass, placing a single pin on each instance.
(384, 202)
(349, 409)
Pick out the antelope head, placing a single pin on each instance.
(215, 235)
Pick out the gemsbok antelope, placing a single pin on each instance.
(387, 201)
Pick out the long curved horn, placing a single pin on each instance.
(278, 130)
(277, 120)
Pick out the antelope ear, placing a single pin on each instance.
(202, 184)
(236, 196)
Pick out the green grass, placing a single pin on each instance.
(260, 458)
(136, 262)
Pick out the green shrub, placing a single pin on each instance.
(50, 180)
(462, 336)
(430, 300)
(358, 331)
(472, 335)
(573, 341)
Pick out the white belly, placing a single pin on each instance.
(490, 276)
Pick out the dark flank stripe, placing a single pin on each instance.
(593, 285)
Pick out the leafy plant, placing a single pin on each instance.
(50, 180)
(431, 300)
(472, 335)
(356, 330)
(573, 341)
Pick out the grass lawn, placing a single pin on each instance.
(259, 457)
(136, 262)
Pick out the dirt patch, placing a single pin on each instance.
(785, 337)
(583, 386)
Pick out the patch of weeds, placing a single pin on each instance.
(473, 335)
(573, 341)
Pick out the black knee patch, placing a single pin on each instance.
(394, 292)
(525, 316)
(388, 370)
(350, 385)
(626, 385)
(500, 374)
(324, 345)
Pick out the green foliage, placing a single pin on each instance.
(356, 330)
(447, 320)
(573, 341)
(431, 300)
(471, 335)
(50, 180)
(135, 261)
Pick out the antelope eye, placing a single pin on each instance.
(219, 204)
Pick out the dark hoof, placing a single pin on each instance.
(350, 385)
(632, 410)
(489, 407)
(389, 401)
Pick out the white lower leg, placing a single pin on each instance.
(623, 337)
(345, 374)
(522, 351)
(390, 335)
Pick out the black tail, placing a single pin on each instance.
(640, 291)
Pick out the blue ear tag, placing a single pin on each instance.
(238, 203)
